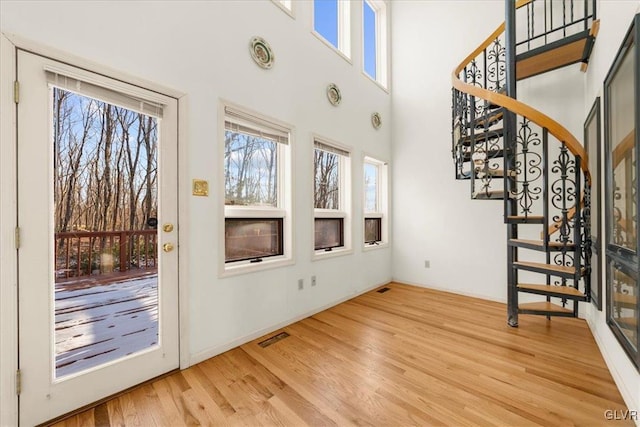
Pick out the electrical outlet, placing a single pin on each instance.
(427, 263)
(313, 280)
(300, 284)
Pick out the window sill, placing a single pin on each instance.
(319, 255)
(367, 248)
(285, 9)
(376, 82)
(326, 42)
(245, 267)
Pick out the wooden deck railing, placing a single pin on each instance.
(85, 253)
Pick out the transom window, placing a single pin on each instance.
(375, 202)
(331, 21)
(374, 40)
(331, 196)
(255, 187)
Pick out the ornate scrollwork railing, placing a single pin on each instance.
(549, 176)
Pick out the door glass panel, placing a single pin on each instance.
(624, 302)
(105, 239)
(622, 137)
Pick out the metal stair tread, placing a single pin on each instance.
(489, 120)
(488, 195)
(491, 154)
(483, 136)
(557, 269)
(543, 307)
(528, 219)
(539, 244)
(552, 290)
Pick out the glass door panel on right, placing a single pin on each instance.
(621, 194)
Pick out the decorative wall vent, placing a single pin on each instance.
(261, 52)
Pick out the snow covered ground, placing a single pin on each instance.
(102, 323)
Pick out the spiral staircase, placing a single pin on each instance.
(512, 152)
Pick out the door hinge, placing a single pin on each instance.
(16, 92)
(17, 237)
(18, 382)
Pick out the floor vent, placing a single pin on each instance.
(273, 339)
(383, 290)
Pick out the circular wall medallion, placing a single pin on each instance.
(333, 93)
(261, 52)
(376, 120)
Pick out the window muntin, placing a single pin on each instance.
(331, 196)
(370, 36)
(331, 21)
(252, 239)
(255, 186)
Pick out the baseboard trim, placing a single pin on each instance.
(451, 291)
(627, 395)
(214, 351)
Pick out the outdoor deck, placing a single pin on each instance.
(104, 317)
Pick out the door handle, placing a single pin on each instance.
(167, 247)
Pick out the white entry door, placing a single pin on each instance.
(97, 216)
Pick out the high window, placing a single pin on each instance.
(331, 22)
(331, 165)
(375, 202)
(374, 40)
(256, 188)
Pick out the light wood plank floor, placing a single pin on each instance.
(409, 356)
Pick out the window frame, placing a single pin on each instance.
(344, 30)
(380, 8)
(593, 147)
(618, 257)
(382, 202)
(284, 205)
(345, 208)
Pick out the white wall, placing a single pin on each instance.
(435, 220)
(200, 48)
(615, 18)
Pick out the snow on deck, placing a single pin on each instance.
(101, 323)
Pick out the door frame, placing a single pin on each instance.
(9, 350)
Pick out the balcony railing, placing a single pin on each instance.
(551, 20)
(86, 253)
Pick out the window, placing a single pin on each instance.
(375, 202)
(621, 243)
(331, 21)
(256, 189)
(374, 40)
(331, 196)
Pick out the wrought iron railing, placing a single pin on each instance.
(86, 253)
(551, 20)
(542, 173)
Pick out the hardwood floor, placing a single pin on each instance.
(409, 356)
